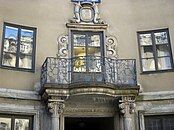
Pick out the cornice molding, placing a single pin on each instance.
(113, 92)
(160, 95)
(19, 94)
(86, 26)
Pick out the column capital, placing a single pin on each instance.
(127, 106)
(56, 107)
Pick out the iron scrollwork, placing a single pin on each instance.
(87, 69)
(57, 70)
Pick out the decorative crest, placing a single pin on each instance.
(86, 11)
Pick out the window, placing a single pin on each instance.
(87, 56)
(15, 122)
(87, 51)
(159, 122)
(155, 50)
(18, 47)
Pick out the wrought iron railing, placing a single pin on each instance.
(89, 70)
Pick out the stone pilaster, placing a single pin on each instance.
(127, 108)
(56, 108)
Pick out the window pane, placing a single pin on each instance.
(145, 39)
(79, 51)
(152, 124)
(163, 50)
(94, 64)
(26, 48)
(169, 123)
(148, 64)
(147, 51)
(11, 32)
(25, 62)
(94, 40)
(94, 51)
(79, 64)
(9, 59)
(26, 35)
(79, 39)
(94, 59)
(10, 41)
(10, 45)
(5, 123)
(164, 63)
(21, 124)
(161, 38)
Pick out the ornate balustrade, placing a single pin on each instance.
(89, 70)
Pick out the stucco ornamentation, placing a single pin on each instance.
(127, 106)
(86, 12)
(111, 47)
(56, 108)
(62, 46)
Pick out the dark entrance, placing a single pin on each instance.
(99, 123)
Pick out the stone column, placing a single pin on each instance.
(56, 108)
(127, 106)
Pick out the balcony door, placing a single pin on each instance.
(87, 56)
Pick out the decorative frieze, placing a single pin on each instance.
(89, 110)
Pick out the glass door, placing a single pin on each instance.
(87, 56)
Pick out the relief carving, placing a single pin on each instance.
(63, 47)
(56, 108)
(127, 106)
(111, 47)
(86, 12)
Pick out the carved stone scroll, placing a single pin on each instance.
(63, 47)
(111, 47)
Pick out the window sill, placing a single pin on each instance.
(18, 69)
(156, 71)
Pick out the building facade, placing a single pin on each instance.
(86, 64)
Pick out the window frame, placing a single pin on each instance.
(19, 27)
(13, 117)
(88, 33)
(161, 118)
(154, 51)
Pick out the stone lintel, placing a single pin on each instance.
(86, 26)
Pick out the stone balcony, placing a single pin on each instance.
(89, 75)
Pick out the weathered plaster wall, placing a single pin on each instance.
(125, 18)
